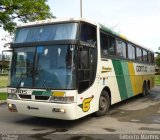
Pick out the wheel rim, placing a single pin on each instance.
(103, 103)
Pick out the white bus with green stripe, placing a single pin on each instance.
(67, 69)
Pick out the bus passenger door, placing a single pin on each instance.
(86, 67)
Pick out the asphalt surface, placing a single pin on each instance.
(136, 118)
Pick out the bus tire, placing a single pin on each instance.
(104, 104)
(149, 86)
(145, 90)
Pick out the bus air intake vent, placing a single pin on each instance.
(25, 96)
(41, 97)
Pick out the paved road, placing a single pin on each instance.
(137, 117)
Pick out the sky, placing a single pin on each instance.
(138, 20)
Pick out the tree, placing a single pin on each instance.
(158, 57)
(13, 11)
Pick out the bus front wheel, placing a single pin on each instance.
(104, 104)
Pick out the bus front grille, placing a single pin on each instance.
(29, 97)
(25, 96)
(41, 97)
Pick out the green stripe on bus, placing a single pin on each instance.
(120, 79)
(41, 93)
(127, 78)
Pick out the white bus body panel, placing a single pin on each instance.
(44, 109)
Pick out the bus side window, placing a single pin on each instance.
(139, 54)
(107, 45)
(131, 52)
(149, 57)
(88, 33)
(104, 44)
(121, 48)
(111, 45)
(145, 56)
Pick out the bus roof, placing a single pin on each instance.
(55, 20)
(59, 20)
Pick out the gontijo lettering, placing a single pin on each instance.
(141, 68)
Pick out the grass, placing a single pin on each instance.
(3, 96)
(3, 81)
(157, 79)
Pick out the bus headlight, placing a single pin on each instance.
(58, 110)
(12, 96)
(67, 99)
(12, 107)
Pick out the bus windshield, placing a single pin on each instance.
(44, 67)
(63, 31)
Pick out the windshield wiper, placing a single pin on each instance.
(42, 81)
(45, 86)
(22, 78)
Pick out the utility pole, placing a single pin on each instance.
(81, 8)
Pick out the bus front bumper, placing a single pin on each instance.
(43, 109)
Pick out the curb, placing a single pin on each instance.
(3, 90)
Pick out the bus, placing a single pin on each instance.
(69, 68)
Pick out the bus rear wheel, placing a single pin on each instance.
(145, 90)
(104, 104)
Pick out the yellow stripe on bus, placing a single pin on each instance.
(122, 36)
(133, 78)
